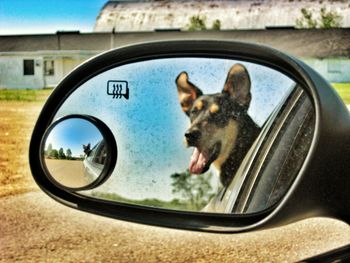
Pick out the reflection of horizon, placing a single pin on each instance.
(73, 160)
(71, 133)
(184, 198)
(64, 151)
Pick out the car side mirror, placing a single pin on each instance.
(211, 135)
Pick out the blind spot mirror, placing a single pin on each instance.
(78, 152)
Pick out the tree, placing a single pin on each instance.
(330, 19)
(306, 21)
(197, 23)
(69, 154)
(194, 189)
(327, 19)
(48, 150)
(61, 154)
(216, 25)
(54, 154)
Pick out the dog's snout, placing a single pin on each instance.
(192, 136)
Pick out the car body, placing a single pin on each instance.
(94, 161)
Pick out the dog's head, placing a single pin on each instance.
(214, 118)
(87, 149)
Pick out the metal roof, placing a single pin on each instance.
(304, 43)
(123, 16)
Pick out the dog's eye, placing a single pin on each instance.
(194, 111)
(214, 109)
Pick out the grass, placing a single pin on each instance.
(40, 95)
(343, 90)
(28, 95)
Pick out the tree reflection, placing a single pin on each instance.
(194, 190)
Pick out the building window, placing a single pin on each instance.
(28, 67)
(49, 68)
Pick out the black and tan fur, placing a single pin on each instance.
(220, 125)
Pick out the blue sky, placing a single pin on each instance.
(40, 16)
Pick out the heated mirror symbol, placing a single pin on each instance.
(118, 89)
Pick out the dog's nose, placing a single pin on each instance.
(192, 136)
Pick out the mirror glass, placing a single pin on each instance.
(198, 134)
(74, 152)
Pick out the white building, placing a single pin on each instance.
(32, 70)
(40, 61)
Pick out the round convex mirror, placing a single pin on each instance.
(78, 152)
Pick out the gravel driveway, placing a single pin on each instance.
(34, 228)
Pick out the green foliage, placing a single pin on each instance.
(330, 19)
(61, 154)
(327, 19)
(54, 154)
(197, 23)
(153, 202)
(68, 154)
(30, 95)
(195, 192)
(49, 149)
(216, 25)
(194, 189)
(306, 21)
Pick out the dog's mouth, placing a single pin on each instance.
(202, 159)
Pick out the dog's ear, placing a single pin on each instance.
(187, 92)
(237, 85)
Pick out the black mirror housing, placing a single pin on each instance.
(321, 187)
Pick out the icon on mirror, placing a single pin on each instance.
(75, 153)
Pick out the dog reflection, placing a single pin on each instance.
(221, 131)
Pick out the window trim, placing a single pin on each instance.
(28, 71)
(49, 71)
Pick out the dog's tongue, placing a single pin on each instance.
(198, 162)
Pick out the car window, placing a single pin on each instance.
(92, 153)
(274, 160)
(286, 147)
(100, 154)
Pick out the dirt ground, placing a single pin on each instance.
(35, 228)
(17, 120)
(66, 172)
